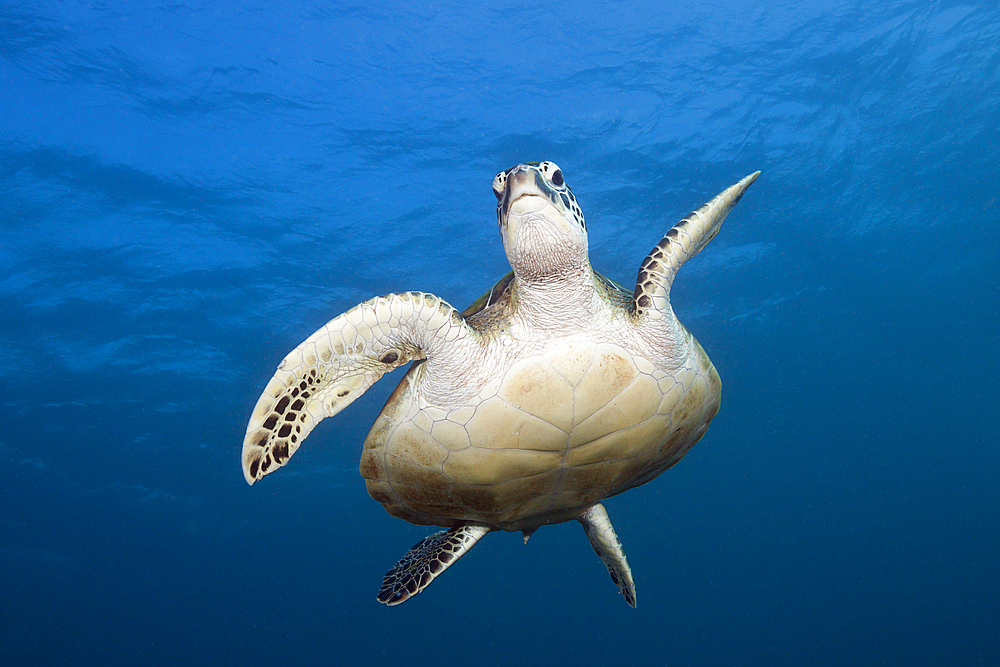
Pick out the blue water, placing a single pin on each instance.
(188, 190)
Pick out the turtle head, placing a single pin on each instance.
(540, 222)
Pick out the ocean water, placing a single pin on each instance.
(188, 190)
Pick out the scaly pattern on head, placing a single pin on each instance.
(542, 226)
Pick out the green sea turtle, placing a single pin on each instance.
(554, 390)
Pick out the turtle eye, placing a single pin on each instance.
(498, 184)
(557, 178)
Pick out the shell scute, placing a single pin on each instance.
(610, 371)
(372, 466)
(594, 477)
(462, 415)
(406, 473)
(449, 435)
(536, 388)
(634, 404)
(619, 447)
(572, 362)
(497, 503)
(412, 443)
(499, 425)
(478, 466)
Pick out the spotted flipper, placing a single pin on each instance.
(338, 363)
(597, 525)
(426, 560)
(681, 243)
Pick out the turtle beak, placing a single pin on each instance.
(522, 181)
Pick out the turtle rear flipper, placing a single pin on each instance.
(425, 561)
(604, 539)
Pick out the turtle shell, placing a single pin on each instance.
(545, 437)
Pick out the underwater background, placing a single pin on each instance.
(188, 190)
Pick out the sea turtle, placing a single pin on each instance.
(554, 390)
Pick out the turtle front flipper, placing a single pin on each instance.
(338, 363)
(425, 561)
(684, 240)
(604, 539)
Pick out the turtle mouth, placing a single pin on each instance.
(522, 204)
